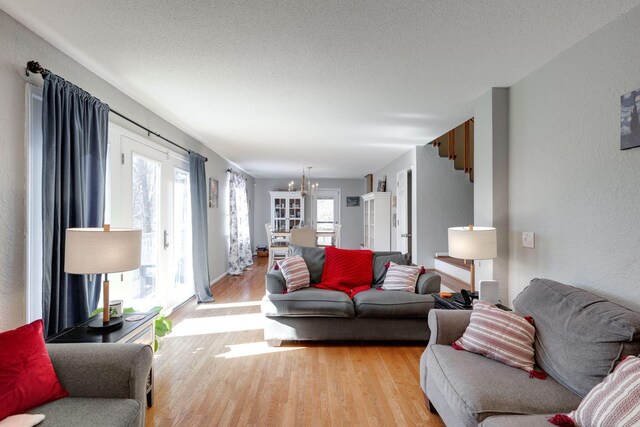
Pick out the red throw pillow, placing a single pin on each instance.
(27, 378)
(349, 271)
(613, 402)
(500, 335)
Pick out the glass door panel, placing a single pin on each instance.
(145, 214)
(182, 249)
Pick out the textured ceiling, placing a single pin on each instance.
(343, 86)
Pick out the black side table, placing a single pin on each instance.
(452, 304)
(137, 331)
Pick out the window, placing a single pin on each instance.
(326, 215)
(34, 203)
(147, 187)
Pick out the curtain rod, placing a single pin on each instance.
(35, 68)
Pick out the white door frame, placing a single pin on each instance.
(333, 193)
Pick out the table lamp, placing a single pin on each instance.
(472, 243)
(102, 251)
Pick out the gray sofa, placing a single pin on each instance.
(579, 339)
(319, 314)
(106, 385)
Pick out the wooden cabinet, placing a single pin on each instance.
(287, 210)
(377, 221)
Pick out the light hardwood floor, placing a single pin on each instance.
(215, 369)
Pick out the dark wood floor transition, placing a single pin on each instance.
(215, 369)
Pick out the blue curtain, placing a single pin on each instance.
(199, 228)
(240, 254)
(74, 130)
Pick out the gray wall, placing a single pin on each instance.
(407, 161)
(19, 45)
(351, 218)
(491, 186)
(443, 198)
(569, 181)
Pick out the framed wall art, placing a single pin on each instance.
(213, 193)
(630, 120)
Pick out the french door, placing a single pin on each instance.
(149, 189)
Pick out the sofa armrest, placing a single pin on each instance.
(274, 282)
(447, 326)
(428, 283)
(103, 370)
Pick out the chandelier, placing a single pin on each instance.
(305, 184)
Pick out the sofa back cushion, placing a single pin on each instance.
(579, 336)
(313, 257)
(380, 261)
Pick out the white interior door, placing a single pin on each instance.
(149, 189)
(402, 212)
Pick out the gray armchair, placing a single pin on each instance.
(106, 385)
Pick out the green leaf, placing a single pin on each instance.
(157, 309)
(129, 310)
(156, 344)
(96, 311)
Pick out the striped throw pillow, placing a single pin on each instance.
(500, 335)
(295, 272)
(613, 402)
(402, 277)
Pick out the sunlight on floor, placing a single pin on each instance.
(253, 349)
(218, 324)
(215, 305)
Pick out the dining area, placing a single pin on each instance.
(279, 239)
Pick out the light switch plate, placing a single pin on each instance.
(528, 239)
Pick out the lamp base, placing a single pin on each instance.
(99, 326)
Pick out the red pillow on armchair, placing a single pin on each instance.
(349, 271)
(27, 378)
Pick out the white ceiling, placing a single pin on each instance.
(343, 86)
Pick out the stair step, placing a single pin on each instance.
(451, 284)
(454, 261)
(453, 267)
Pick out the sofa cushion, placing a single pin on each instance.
(613, 402)
(517, 420)
(27, 377)
(346, 270)
(477, 387)
(308, 302)
(380, 261)
(390, 304)
(579, 336)
(295, 272)
(500, 335)
(95, 412)
(314, 257)
(402, 277)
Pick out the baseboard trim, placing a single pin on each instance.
(219, 278)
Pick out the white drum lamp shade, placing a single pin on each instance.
(102, 251)
(476, 243)
(471, 243)
(95, 251)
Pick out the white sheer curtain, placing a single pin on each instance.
(240, 255)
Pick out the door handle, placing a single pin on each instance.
(166, 239)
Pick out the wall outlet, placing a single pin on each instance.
(528, 239)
